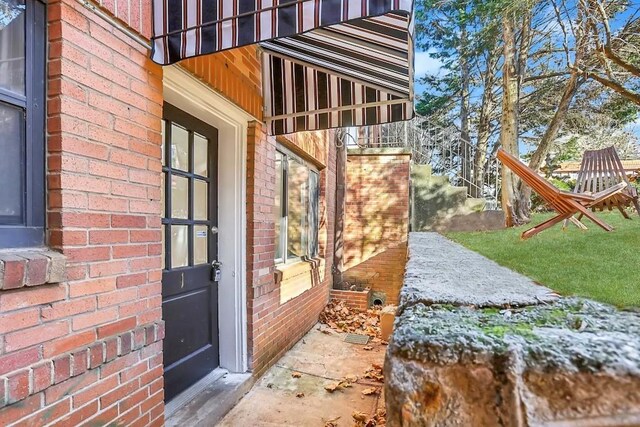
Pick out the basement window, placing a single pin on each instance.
(22, 128)
(296, 209)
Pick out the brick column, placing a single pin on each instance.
(89, 349)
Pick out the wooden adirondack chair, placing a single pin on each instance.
(566, 204)
(602, 169)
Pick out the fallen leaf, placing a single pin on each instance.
(332, 387)
(296, 375)
(370, 391)
(374, 372)
(332, 422)
(299, 395)
(340, 317)
(351, 378)
(359, 416)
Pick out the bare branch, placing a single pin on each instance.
(565, 43)
(632, 96)
(546, 76)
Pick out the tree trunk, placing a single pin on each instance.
(465, 150)
(484, 123)
(511, 201)
(341, 182)
(554, 127)
(560, 115)
(556, 122)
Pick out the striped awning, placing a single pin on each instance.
(326, 63)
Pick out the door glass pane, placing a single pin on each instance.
(278, 206)
(179, 197)
(12, 51)
(298, 204)
(200, 155)
(200, 247)
(200, 201)
(179, 246)
(162, 181)
(163, 134)
(163, 228)
(11, 161)
(179, 148)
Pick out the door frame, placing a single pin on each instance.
(185, 91)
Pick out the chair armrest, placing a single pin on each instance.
(594, 197)
(610, 191)
(587, 197)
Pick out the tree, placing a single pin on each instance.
(463, 35)
(512, 204)
(618, 65)
(530, 75)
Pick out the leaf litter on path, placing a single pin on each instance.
(340, 317)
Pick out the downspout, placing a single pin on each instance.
(341, 182)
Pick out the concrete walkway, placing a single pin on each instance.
(440, 271)
(321, 359)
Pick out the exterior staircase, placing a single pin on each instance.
(437, 205)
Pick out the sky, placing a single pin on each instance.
(424, 65)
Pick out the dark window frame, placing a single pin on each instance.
(30, 231)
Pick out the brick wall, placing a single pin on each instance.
(377, 220)
(274, 327)
(89, 349)
(354, 299)
(235, 73)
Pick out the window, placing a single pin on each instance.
(22, 73)
(296, 209)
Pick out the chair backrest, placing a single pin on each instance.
(599, 170)
(552, 195)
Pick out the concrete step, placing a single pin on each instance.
(474, 204)
(421, 171)
(436, 202)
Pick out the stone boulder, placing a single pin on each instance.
(572, 362)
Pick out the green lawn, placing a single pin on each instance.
(594, 264)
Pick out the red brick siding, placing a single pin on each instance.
(312, 146)
(354, 299)
(89, 350)
(274, 328)
(376, 221)
(235, 73)
(134, 13)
